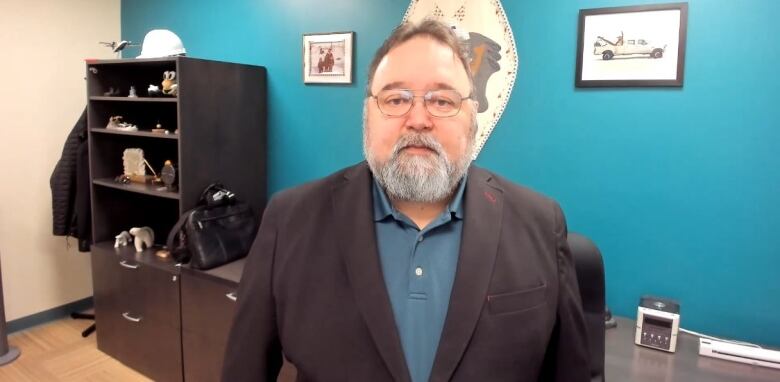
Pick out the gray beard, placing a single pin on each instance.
(416, 178)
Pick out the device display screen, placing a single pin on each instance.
(658, 322)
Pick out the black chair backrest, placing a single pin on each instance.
(590, 277)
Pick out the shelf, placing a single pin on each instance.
(146, 189)
(140, 133)
(135, 99)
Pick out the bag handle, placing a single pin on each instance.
(170, 241)
(217, 186)
(215, 195)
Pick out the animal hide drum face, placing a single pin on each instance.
(484, 25)
(133, 161)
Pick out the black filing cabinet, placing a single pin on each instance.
(208, 303)
(137, 305)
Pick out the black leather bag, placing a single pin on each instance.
(219, 230)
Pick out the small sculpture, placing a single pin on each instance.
(122, 239)
(117, 47)
(168, 175)
(169, 85)
(159, 129)
(115, 123)
(153, 91)
(111, 92)
(132, 92)
(124, 126)
(144, 237)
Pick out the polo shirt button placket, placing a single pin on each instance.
(418, 270)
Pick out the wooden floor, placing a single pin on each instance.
(57, 352)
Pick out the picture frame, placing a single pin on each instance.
(327, 58)
(634, 46)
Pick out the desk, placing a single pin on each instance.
(625, 361)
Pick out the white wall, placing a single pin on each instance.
(43, 44)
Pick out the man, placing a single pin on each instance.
(329, 61)
(415, 265)
(321, 61)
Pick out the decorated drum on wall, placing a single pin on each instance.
(484, 25)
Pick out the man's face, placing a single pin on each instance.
(417, 144)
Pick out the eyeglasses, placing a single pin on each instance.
(441, 103)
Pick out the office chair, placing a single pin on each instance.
(590, 277)
(85, 316)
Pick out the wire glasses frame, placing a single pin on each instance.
(441, 103)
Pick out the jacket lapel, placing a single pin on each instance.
(478, 249)
(352, 208)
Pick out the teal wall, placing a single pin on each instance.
(678, 187)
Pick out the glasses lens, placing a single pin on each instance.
(439, 103)
(394, 102)
(443, 103)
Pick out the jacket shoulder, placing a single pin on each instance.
(314, 192)
(513, 191)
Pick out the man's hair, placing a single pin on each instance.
(427, 27)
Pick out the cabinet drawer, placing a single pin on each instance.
(106, 284)
(148, 292)
(152, 348)
(207, 307)
(137, 314)
(130, 286)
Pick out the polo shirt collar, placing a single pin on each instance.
(383, 208)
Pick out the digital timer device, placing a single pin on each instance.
(657, 323)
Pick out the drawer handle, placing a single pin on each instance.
(232, 296)
(128, 317)
(129, 266)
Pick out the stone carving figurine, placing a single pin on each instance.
(122, 239)
(144, 237)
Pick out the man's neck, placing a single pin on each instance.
(421, 213)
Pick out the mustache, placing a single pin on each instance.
(417, 140)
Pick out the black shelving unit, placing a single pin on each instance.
(220, 116)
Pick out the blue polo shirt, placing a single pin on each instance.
(419, 267)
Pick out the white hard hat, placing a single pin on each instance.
(161, 43)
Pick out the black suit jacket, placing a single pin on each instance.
(313, 288)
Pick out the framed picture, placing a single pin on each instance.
(632, 46)
(327, 58)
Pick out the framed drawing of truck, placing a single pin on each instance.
(633, 46)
